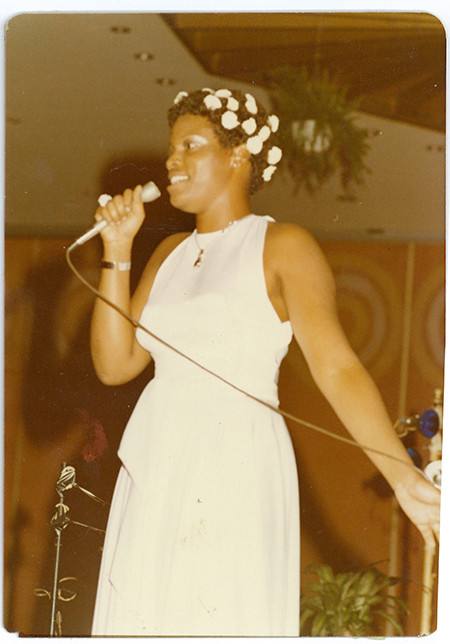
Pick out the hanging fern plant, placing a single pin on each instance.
(318, 133)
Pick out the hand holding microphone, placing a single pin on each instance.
(118, 210)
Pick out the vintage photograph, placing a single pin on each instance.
(224, 323)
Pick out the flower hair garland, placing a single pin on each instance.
(229, 121)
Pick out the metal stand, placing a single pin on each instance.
(430, 425)
(59, 521)
(429, 577)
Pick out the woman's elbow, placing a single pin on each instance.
(337, 370)
(111, 378)
(115, 374)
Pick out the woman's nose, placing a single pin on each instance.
(173, 161)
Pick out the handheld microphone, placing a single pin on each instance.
(150, 192)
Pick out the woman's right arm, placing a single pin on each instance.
(116, 354)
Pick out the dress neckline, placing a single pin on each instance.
(231, 224)
(207, 239)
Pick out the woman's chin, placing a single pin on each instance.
(179, 203)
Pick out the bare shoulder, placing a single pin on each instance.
(290, 247)
(297, 273)
(288, 236)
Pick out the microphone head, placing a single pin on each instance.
(103, 200)
(150, 192)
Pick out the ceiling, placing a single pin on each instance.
(395, 62)
(87, 95)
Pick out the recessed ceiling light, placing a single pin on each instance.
(120, 29)
(165, 81)
(143, 55)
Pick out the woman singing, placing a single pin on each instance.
(203, 534)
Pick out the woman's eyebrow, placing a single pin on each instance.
(187, 138)
(195, 137)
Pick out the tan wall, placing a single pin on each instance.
(346, 515)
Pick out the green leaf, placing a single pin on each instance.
(319, 627)
(347, 603)
(390, 618)
(401, 603)
(297, 96)
(312, 603)
(314, 588)
(325, 573)
(304, 616)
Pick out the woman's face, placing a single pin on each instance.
(200, 168)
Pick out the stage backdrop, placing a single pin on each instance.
(57, 411)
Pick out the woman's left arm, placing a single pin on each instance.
(307, 291)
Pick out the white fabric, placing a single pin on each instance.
(203, 534)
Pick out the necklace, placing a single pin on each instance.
(210, 238)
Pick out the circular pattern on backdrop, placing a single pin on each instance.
(428, 327)
(370, 307)
(370, 310)
(362, 308)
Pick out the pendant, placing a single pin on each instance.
(199, 261)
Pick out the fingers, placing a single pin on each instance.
(421, 502)
(116, 210)
(431, 529)
(128, 200)
(120, 206)
(430, 532)
(436, 529)
(429, 537)
(137, 194)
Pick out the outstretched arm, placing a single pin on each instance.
(307, 291)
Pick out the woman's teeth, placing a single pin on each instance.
(178, 178)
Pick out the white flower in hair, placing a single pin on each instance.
(254, 145)
(207, 89)
(212, 102)
(249, 125)
(223, 93)
(273, 122)
(268, 172)
(179, 96)
(274, 155)
(229, 120)
(233, 104)
(250, 104)
(264, 133)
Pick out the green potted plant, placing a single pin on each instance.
(346, 604)
(317, 128)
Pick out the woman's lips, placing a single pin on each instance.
(176, 181)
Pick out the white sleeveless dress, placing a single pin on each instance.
(203, 533)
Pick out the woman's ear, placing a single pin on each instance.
(240, 155)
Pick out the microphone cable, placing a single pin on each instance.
(281, 412)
